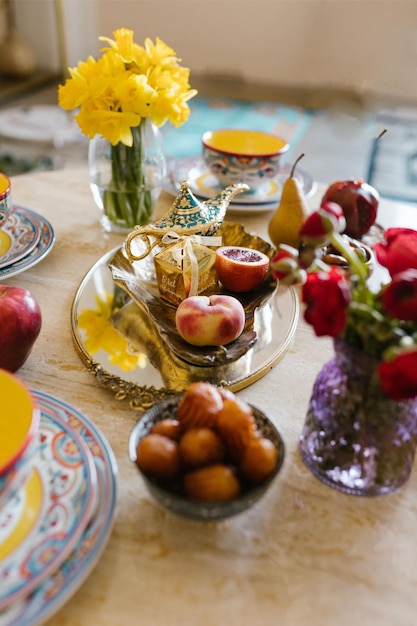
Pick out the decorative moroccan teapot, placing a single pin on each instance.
(186, 216)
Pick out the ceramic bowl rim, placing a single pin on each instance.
(272, 153)
(196, 510)
(6, 192)
(32, 430)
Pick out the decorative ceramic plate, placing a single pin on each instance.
(62, 500)
(39, 252)
(52, 594)
(23, 515)
(19, 236)
(204, 184)
(43, 122)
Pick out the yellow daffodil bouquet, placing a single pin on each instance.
(116, 96)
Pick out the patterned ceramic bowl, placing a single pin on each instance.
(172, 498)
(5, 198)
(243, 156)
(19, 426)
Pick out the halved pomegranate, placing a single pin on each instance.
(240, 269)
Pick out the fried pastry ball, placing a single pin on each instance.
(199, 406)
(158, 456)
(170, 428)
(201, 446)
(213, 483)
(259, 460)
(236, 426)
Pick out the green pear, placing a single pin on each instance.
(290, 214)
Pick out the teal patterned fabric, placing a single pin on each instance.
(290, 123)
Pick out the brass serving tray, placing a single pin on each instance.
(155, 368)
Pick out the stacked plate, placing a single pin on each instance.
(25, 239)
(205, 185)
(55, 528)
(39, 123)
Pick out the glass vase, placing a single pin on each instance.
(126, 181)
(354, 438)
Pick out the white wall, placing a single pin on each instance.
(60, 32)
(361, 44)
(36, 25)
(369, 46)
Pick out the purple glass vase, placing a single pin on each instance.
(354, 438)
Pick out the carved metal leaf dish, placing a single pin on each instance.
(138, 280)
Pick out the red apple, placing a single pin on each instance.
(359, 202)
(20, 324)
(240, 269)
(210, 320)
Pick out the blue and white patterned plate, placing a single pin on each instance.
(66, 497)
(61, 584)
(41, 249)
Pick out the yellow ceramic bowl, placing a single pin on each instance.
(5, 198)
(243, 156)
(19, 426)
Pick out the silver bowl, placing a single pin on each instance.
(193, 509)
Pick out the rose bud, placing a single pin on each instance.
(327, 296)
(320, 225)
(398, 376)
(399, 250)
(285, 268)
(400, 296)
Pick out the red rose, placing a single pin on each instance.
(318, 227)
(398, 378)
(400, 296)
(327, 296)
(399, 250)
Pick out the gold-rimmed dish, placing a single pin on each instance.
(136, 364)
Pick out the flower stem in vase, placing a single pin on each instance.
(127, 199)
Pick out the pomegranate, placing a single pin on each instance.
(241, 269)
(359, 202)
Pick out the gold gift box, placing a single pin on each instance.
(173, 267)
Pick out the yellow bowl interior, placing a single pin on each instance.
(4, 183)
(244, 142)
(17, 415)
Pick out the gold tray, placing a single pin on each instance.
(138, 364)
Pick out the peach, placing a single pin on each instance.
(214, 320)
(241, 269)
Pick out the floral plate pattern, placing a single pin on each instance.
(39, 252)
(66, 498)
(19, 236)
(22, 517)
(61, 584)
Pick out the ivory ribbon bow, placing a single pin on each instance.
(186, 250)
